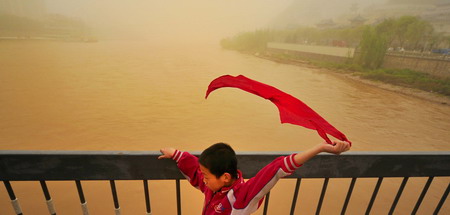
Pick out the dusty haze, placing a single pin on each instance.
(198, 20)
(137, 95)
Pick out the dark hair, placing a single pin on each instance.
(219, 159)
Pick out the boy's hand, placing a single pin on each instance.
(166, 153)
(337, 148)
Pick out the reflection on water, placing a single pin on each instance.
(143, 96)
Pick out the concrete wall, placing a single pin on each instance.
(316, 53)
(324, 50)
(439, 67)
(434, 66)
(312, 56)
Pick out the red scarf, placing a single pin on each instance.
(291, 109)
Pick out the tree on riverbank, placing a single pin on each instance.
(373, 48)
(249, 41)
(408, 32)
(257, 40)
(372, 43)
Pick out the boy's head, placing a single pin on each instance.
(218, 164)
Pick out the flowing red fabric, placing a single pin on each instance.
(291, 109)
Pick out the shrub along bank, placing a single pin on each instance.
(372, 43)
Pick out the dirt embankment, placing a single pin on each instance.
(430, 96)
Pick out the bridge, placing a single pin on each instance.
(110, 166)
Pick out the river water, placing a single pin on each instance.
(142, 95)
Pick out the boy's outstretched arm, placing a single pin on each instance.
(337, 148)
(187, 164)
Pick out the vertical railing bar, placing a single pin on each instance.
(8, 186)
(14, 199)
(294, 199)
(322, 195)
(422, 195)
(147, 198)
(178, 196)
(266, 203)
(374, 195)
(349, 194)
(399, 194)
(80, 191)
(441, 202)
(48, 198)
(45, 189)
(115, 197)
(82, 199)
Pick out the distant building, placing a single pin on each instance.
(33, 9)
(357, 20)
(326, 23)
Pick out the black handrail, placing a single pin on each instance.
(125, 165)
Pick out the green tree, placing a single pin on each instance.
(373, 48)
(387, 28)
(417, 32)
(249, 41)
(401, 28)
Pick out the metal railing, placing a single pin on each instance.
(79, 166)
(420, 55)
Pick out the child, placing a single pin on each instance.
(215, 173)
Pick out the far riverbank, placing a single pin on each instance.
(347, 73)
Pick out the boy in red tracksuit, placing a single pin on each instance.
(215, 173)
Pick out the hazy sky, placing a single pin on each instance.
(191, 19)
(311, 12)
(199, 20)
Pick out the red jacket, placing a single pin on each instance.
(243, 197)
